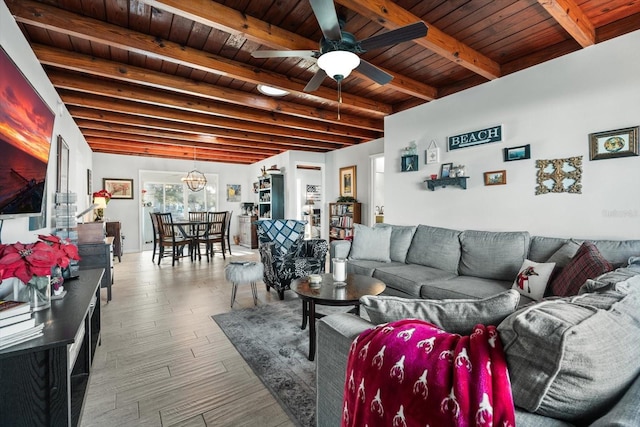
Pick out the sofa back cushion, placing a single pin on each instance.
(458, 316)
(401, 236)
(617, 252)
(493, 255)
(572, 358)
(435, 247)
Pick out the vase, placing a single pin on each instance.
(39, 292)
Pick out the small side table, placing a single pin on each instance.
(328, 293)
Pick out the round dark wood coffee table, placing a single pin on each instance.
(327, 293)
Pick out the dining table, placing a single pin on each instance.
(193, 231)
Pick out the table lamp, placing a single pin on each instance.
(101, 205)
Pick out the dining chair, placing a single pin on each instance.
(156, 234)
(227, 227)
(215, 233)
(170, 238)
(198, 232)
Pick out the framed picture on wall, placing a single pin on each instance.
(495, 177)
(119, 188)
(348, 181)
(517, 153)
(613, 143)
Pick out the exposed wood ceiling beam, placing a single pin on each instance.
(127, 73)
(107, 146)
(572, 19)
(276, 134)
(392, 16)
(176, 139)
(186, 103)
(120, 123)
(61, 21)
(229, 20)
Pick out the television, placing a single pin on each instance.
(26, 128)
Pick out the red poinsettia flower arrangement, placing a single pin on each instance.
(36, 259)
(103, 193)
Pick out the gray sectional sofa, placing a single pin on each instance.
(572, 360)
(438, 263)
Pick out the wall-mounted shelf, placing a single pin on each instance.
(460, 181)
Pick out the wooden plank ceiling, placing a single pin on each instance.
(176, 79)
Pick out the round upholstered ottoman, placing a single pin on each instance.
(244, 272)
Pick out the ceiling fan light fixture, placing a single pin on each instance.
(271, 91)
(338, 64)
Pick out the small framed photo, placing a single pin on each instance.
(409, 163)
(613, 143)
(495, 177)
(517, 153)
(119, 188)
(445, 170)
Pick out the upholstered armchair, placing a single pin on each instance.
(286, 255)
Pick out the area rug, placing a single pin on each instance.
(270, 340)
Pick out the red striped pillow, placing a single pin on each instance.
(587, 263)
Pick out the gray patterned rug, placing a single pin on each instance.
(270, 340)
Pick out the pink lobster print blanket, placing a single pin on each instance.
(411, 373)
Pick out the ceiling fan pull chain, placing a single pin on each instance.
(339, 96)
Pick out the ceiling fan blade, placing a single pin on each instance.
(315, 81)
(284, 53)
(374, 73)
(399, 35)
(327, 17)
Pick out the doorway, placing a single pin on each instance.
(377, 188)
(310, 198)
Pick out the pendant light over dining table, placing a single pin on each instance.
(195, 180)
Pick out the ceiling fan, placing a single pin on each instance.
(338, 54)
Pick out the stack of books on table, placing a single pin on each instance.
(17, 323)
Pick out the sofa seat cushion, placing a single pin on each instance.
(572, 358)
(465, 287)
(409, 278)
(458, 316)
(493, 255)
(435, 247)
(366, 267)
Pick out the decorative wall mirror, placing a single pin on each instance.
(559, 175)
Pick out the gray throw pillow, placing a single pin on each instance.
(563, 256)
(373, 244)
(571, 358)
(457, 316)
(401, 236)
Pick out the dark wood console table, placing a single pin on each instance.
(44, 381)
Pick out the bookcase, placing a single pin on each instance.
(343, 216)
(271, 196)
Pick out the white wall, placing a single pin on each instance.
(553, 106)
(358, 155)
(128, 167)
(17, 47)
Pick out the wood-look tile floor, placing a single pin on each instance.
(163, 361)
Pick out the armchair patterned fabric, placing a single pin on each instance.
(285, 255)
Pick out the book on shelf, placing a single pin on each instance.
(7, 331)
(15, 319)
(10, 308)
(20, 337)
